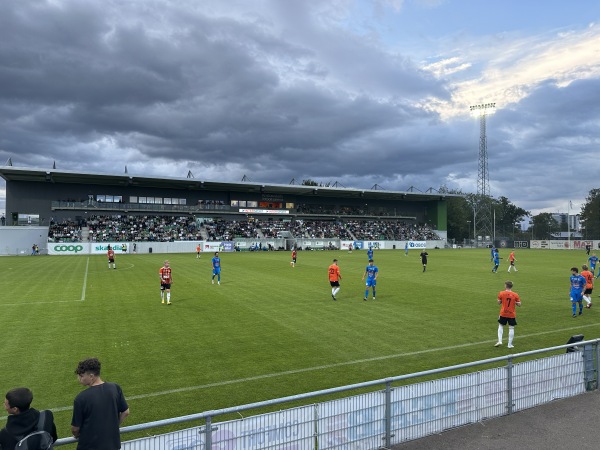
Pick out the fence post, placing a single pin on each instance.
(388, 415)
(588, 360)
(208, 432)
(509, 385)
(597, 347)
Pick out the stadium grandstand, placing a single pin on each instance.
(94, 207)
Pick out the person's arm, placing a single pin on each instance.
(75, 431)
(123, 416)
(53, 433)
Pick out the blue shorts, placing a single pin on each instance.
(576, 296)
(216, 271)
(371, 282)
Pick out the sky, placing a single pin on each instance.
(362, 93)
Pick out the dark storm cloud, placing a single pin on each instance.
(275, 91)
(196, 88)
(548, 144)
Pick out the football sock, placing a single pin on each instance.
(373, 292)
(574, 308)
(500, 332)
(168, 296)
(366, 293)
(511, 334)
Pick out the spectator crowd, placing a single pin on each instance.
(126, 228)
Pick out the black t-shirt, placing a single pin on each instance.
(96, 412)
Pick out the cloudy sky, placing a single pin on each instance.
(358, 92)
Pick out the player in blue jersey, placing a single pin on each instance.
(370, 253)
(371, 273)
(593, 260)
(216, 264)
(496, 258)
(578, 283)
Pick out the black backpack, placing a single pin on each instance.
(38, 439)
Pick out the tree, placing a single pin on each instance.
(544, 225)
(461, 212)
(310, 182)
(590, 215)
(460, 215)
(508, 216)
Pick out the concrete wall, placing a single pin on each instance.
(18, 240)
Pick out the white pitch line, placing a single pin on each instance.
(87, 264)
(326, 366)
(40, 303)
(347, 363)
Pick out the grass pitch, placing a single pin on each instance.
(269, 330)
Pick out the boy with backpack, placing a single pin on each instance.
(25, 426)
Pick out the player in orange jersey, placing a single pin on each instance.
(166, 278)
(198, 251)
(509, 300)
(589, 285)
(512, 260)
(334, 278)
(294, 256)
(111, 257)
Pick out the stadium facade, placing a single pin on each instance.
(37, 196)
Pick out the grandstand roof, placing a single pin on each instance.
(10, 173)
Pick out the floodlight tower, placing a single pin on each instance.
(484, 205)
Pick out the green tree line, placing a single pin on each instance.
(510, 216)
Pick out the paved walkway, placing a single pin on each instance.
(568, 424)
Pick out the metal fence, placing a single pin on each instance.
(388, 411)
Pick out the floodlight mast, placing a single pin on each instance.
(484, 203)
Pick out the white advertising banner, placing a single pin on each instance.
(562, 244)
(417, 244)
(63, 248)
(291, 429)
(416, 410)
(218, 246)
(543, 380)
(100, 248)
(263, 211)
(352, 423)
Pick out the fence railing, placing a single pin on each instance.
(392, 411)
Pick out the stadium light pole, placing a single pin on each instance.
(474, 233)
(483, 176)
(531, 226)
(569, 224)
(469, 230)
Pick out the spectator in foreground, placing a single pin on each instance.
(98, 411)
(23, 420)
